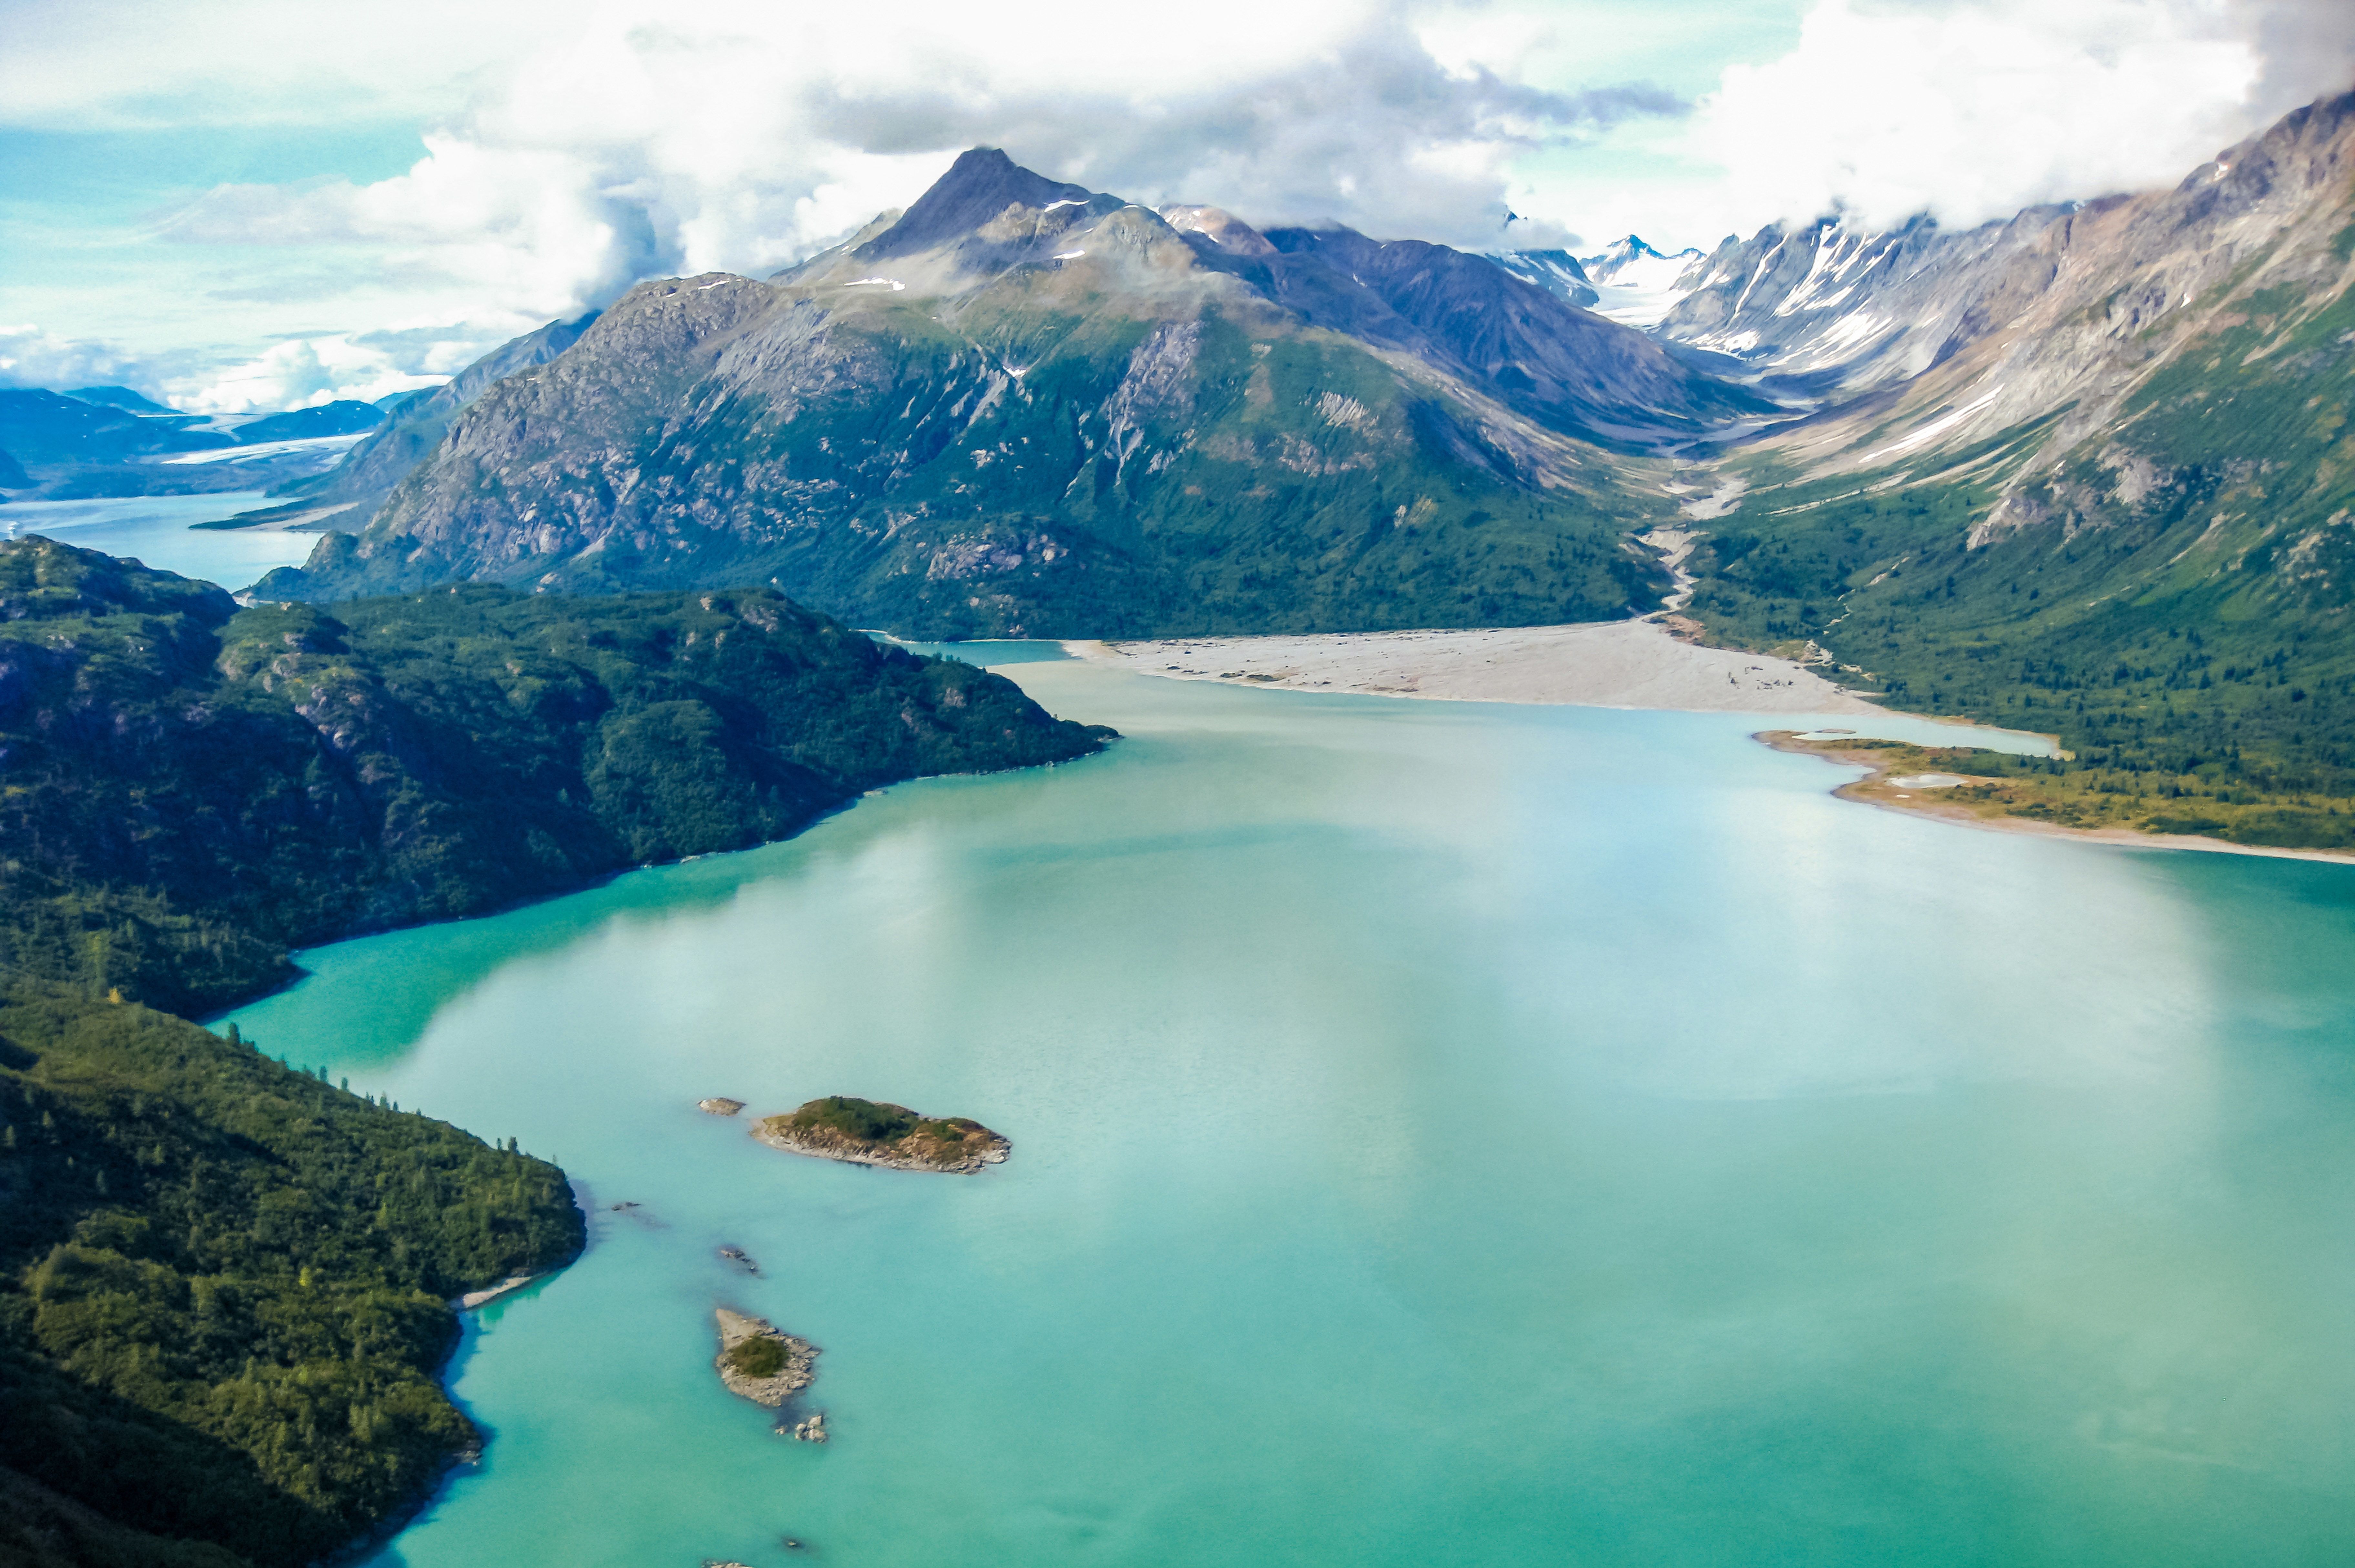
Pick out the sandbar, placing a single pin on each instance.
(473, 1298)
(1605, 664)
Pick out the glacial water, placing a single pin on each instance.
(1444, 1134)
(157, 530)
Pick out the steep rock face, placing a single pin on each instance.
(1022, 406)
(1565, 366)
(1829, 309)
(1558, 272)
(957, 213)
(1959, 338)
(347, 495)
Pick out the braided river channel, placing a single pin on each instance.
(1444, 1134)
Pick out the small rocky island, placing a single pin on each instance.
(762, 1362)
(869, 1132)
(719, 1105)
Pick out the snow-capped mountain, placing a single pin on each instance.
(1919, 341)
(1637, 285)
(1829, 309)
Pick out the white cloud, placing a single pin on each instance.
(643, 139)
(1970, 110)
(298, 374)
(31, 358)
(1977, 111)
(294, 374)
(569, 151)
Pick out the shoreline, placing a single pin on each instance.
(1628, 664)
(1862, 791)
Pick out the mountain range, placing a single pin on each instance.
(1979, 471)
(114, 442)
(1020, 406)
(2085, 472)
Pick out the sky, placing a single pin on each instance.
(266, 204)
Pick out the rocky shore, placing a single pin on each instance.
(871, 1132)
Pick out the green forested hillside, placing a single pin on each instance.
(224, 1282)
(192, 787)
(2172, 598)
(227, 1287)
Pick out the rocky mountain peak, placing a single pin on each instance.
(1556, 271)
(1633, 258)
(978, 187)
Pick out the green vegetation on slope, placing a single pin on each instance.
(864, 1120)
(191, 788)
(228, 1282)
(1229, 471)
(2160, 573)
(2172, 603)
(871, 1127)
(2069, 794)
(224, 1283)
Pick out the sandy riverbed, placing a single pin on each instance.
(1610, 664)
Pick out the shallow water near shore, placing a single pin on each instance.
(1443, 1133)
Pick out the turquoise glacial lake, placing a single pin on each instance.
(160, 531)
(1444, 1134)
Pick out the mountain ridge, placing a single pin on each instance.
(2116, 503)
(1008, 408)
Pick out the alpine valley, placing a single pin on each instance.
(2081, 472)
(597, 603)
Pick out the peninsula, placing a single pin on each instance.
(2050, 795)
(869, 1132)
